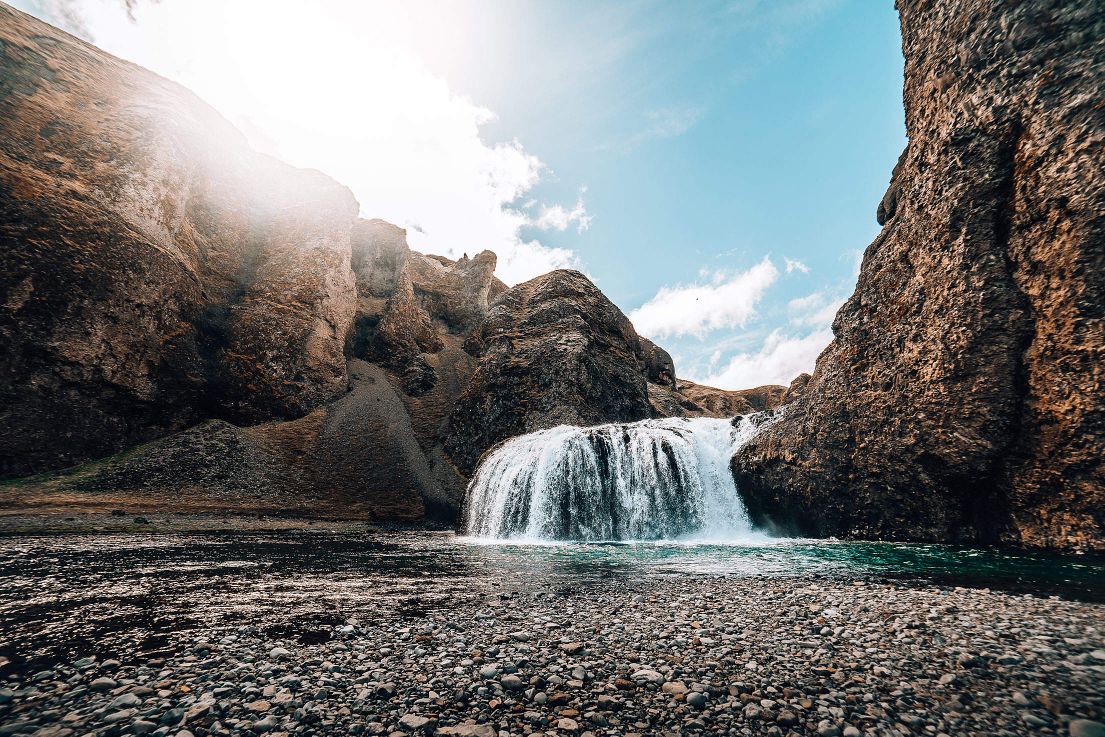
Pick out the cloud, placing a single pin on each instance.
(727, 301)
(659, 124)
(783, 354)
(817, 309)
(780, 359)
(795, 265)
(340, 87)
(558, 217)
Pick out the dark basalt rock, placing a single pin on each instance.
(963, 398)
(553, 350)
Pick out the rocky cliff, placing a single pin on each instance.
(196, 326)
(154, 270)
(963, 397)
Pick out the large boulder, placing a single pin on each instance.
(963, 397)
(552, 351)
(154, 270)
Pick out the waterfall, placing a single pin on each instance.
(648, 480)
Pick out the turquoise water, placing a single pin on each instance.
(1073, 576)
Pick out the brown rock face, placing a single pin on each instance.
(253, 345)
(553, 350)
(963, 397)
(153, 269)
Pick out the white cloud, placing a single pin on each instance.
(340, 87)
(817, 309)
(795, 265)
(558, 217)
(659, 124)
(727, 301)
(783, 355)
(779, 361)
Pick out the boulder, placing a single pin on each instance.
(553, 350)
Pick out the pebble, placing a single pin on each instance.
(657, 657)
(1086, 728)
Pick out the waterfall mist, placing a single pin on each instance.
(648, 480)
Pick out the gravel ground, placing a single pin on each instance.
(668, 655)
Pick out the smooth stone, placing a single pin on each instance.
(103, 683)
(512, 683)
(413, 722)
(1086, 728)
(265, 725)
(125, 700)
(648, 676)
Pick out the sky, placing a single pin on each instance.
(713, 166)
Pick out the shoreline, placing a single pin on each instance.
(662, 656)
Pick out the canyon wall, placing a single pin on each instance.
(154, 269)
(963, 397)
(188, 324)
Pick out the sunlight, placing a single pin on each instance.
(340, 87)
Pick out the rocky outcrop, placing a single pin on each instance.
(203, 328)
(153, 269)
(553, 350)
(963, 397)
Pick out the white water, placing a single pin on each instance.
(649, 480)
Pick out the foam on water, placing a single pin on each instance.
(663, 479)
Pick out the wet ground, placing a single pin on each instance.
(134, 596)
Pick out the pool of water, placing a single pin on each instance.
(130, 595)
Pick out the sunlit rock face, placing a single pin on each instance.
(160, 281)
(153, 269)
(963, 397)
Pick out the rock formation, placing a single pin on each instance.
(154, 270)
(229, 324)
(553, 350)
(963, 397)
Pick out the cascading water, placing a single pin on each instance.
(648, 480)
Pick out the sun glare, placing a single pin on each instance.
(342, 88)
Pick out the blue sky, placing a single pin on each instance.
(714, 166)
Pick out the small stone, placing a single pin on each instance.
(413, 723)
(279, 653)
(1086, 728)
(142, 726)
(648, 675)
(512, 683)
(567, 724)
(124, 701)
(1032, 720)
(265, 725)
(467, 730)
(103, 683)
(489, 672)
(674, 687)
(697, 699)
(172, 716)
(850, 731)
